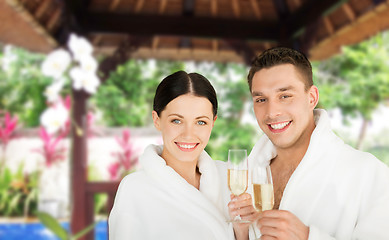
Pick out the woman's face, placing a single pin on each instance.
(186, 124)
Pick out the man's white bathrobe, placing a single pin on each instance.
(339, 192)
(157, 203)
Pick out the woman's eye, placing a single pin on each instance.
(176, 121)
(285, 96)
(201, 123)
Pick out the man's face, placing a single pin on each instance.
(284, 110)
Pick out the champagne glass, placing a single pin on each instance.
(237, 174)
(263, 193)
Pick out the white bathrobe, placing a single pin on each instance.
(339, 192)
(157, 203)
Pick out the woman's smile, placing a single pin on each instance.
(186, 147)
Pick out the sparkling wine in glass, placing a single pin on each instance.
(263, 193)
(237, 173)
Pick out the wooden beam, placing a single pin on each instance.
(256, 9)
(139, 6)
(162, 6)
(349, 12)
(214, 7)
(54, 18)
(235, 8)
(155, 43)
(113, 6)
(150, 25)
(188, 7)
(215, 45)
(328, 25)
(42, 9)
(309, 13)
(79, 162)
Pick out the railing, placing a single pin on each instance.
(93, 188)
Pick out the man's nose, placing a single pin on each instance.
(273, 109)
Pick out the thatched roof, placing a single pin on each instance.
(217, 30)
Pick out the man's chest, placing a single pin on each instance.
(280, 180)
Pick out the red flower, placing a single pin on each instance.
(7, 127)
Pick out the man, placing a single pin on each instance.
(323, 188)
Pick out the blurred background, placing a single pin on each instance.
(77, 81)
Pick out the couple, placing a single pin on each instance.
(324, 189)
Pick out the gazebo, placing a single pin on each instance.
(213, 30)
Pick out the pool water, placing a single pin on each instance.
(35, 231)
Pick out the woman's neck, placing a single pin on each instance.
(187, 170)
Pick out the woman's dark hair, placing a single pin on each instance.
(181, 83)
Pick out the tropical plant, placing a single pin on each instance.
(356, 81)
(7, 127)
(125, 159)
(18, 192)
(54, 226)
(126, 97)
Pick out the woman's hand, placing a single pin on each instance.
(242, 205)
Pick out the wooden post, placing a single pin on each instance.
(78, 173)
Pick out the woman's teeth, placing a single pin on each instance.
(186, 146)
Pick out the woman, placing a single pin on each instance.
(180, 192)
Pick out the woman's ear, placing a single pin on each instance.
(156, 120)
(214, 120)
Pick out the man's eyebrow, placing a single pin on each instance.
(282, 89)
(256, 94)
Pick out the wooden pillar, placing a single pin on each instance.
(78, 173)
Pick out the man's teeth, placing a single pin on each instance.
(186, 146)
(279, 125)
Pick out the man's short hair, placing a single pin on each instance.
(282, 55)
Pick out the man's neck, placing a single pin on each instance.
(293, 155)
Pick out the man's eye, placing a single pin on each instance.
(285, 96)
(176, 121)
(259, 100)
(201, 123)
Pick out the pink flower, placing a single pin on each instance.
(113, 170)
(50, 151)
(7, 127)
(125, 159)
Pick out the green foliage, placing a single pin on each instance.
(53, 225)
(18, 192)
(126, 97)
(233, 92)
(357, 80)
(22, 86)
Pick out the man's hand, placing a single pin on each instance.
(242, 205)
(281, 225)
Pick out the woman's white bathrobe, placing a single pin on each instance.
(157, 203)
(339, 192)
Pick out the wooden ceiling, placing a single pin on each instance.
(214, 30)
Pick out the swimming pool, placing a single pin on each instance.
(35, 231)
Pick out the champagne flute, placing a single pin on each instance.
(263, 193)
(237, 174)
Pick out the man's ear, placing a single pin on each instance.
(313, 96)
(156, 120)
